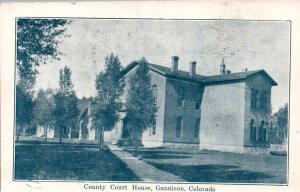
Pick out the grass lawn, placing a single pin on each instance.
(212, 166)
(68, 162)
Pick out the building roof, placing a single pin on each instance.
(184, 75)
(166, 71)
(237, 76)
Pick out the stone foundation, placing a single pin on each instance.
(223, 148)
(181, 145)
(236, 149)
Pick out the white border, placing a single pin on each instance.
(213, 9)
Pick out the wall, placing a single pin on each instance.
(188, 112)
(40, 131)
(259, 83)
(222, 117)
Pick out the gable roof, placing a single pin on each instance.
(237, 76)
(184, 75)
(166, 71)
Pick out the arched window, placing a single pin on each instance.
(261, 131)
(198, 99)
(252, 131)
(154, 93)
(197, 127)
(153, 124)
(254, 94)
(266, 127)
(180, 101)
(179, 127)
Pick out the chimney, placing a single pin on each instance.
(222, 67)
(174, 67)
(193, 68)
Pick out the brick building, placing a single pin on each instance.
(226, 112)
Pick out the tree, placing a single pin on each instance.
(279, 124)
(140, 105)
(24, 110)
(65, 105)
(43, 109)
(107, 103)
(37, 43)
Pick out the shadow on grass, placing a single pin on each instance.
(165, 156)
(157, 155)
(161, 153)
(62, 162)
(212, 173)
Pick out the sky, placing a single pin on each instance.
(248, 44)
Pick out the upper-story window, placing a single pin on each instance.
(179, 127)
(254, 99)
(180, 101)
(154, 93)
(259, 100)
(263, 101)
(198, 99)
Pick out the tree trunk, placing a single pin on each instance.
(46, 134)
(135, 143)
(102, 137)
(99, 135)
(70, 133)
(60, 135)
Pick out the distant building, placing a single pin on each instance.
(226, 112)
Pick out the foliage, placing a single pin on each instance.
(43, 109)
(37, 42)
(65, 110)
(106, 105)
(140, 106)
(24, 110)
(279, 125)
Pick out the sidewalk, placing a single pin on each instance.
(143, 170)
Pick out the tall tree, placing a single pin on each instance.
(37, 43)
(43, 110)
(107, 103)
(140, 103)
(65, 110)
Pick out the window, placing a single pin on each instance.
(198, 95)
(180, 101)
(263, 101)
(253, 99)
(179, 127)
(197, 127)
(153, 124)
(252, 131)
(261, 131)
(154, 93)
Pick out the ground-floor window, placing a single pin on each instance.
(179, 127)
(261, 131)
(197, 127)
(153, 124)
(252, 131)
